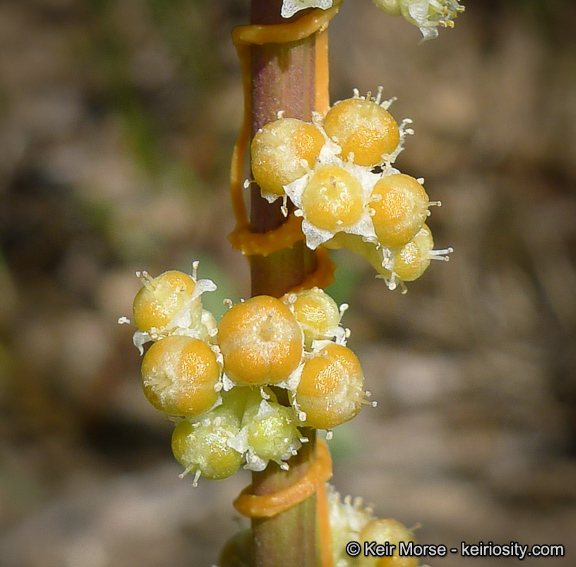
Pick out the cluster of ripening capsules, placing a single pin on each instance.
(215, 378)
(337, 171)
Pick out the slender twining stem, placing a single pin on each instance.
(282, 79)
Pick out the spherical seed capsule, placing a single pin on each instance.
(363, 128)
(180, 376)
(400, 206)
(395, 266)
(333, 199)
(168, 303)
(162, 298)
(278, 150)
(330, 391)
(260, 340)
(411, 261)
(316, 312)
(382, 531)
(270, 433)
(203, 447)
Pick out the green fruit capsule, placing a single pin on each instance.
(203, 447)
(270, 434)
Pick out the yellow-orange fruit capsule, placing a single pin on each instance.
(180, 376)
(278, 150)
(260, 340)
(162, 298)
(387, 531)
(316, 312)
(204, 447)
(333, 199)
(412, 260)
(363, 128)
(400, 206)
(330, 391)
(395, 266)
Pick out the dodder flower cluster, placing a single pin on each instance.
(216, 378)
(427, 15)
(337, 171)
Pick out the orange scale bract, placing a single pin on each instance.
(179, 376)
(330, 391)
(260, 340)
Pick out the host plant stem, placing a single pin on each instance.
(282, 79)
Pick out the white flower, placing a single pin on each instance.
(290, 7)
(427, 15)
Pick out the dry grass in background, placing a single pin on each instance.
(117, 120)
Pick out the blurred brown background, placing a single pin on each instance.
(117, 120)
